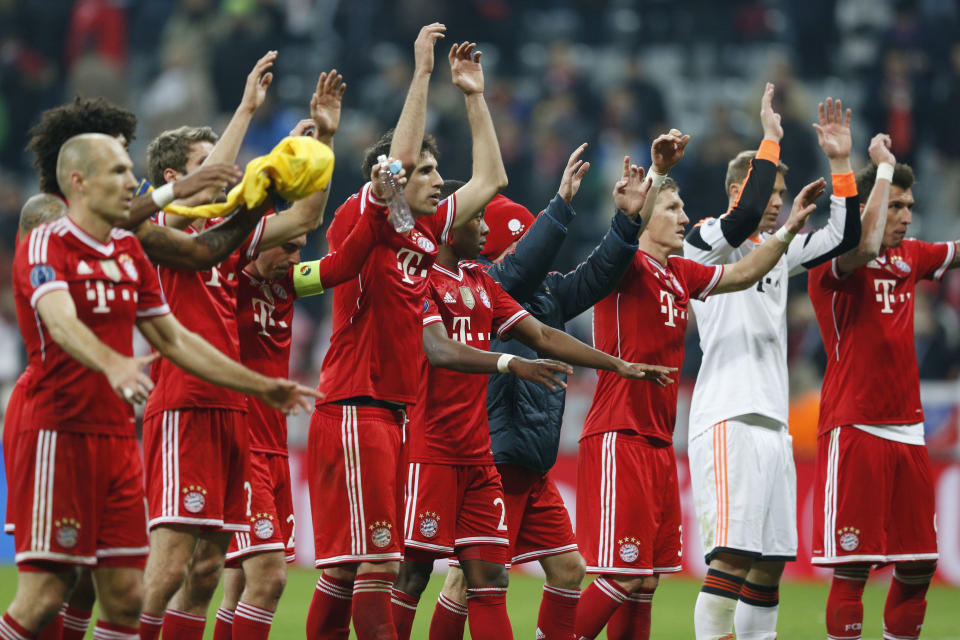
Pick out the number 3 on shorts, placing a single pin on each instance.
(503, 514)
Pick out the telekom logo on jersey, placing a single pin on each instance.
(884, 297)
(407, 266)
(670, 309)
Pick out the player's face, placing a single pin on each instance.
(899, 216)
(110, 185)
(668, 221)
(274, 263)
(468, 241)
(769, 220)
(198, 155)
(423, 187)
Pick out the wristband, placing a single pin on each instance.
(885, 171)
(783, 235)
(656, 178)
(503, 362)
(162, 196)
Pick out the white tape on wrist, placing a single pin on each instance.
(656, 178)
(162, 196)
(784, 236)
(503, 363)
(885, 171)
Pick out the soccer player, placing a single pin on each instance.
(370, 372)
(525, 419)
(455, 502)
(628, 503)
(195, 437)
(874, 499)
(80, 286)
(739, 439)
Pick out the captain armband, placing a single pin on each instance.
(306, 279)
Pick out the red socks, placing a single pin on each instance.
(449, 619)
(251, 623)
(487, 613)
(54, 630)
(845, 603)
(558, 611)
(906, 601)
(631, 621)
(10, 629)
(598, 602)
(110, 631)
(180, 625)
(404, 609)
(75, 622)
(150, 626)
(372, 617)
(223, 627)
(329, 615)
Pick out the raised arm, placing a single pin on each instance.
(874, 218)
(748, 270)
(446, 353)
(666, 151)
(408, 134)
(125, 375)
(193, 189)
(489, 175)
(557, 344)
(197, 357)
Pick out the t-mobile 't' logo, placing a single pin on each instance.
(408, 261)
(884, 295)
(667, 307)
(461, 328)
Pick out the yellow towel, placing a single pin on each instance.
(297, 167)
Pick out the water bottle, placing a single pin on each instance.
(399, 215)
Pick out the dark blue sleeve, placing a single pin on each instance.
(597, 276)
(521, 272)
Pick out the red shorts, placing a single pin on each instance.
(197, 464)
(449, 507)
(874, 500)
(356, 465)
(539, 523)
(628, 505)
(79, 499)
(269, 510)
(11, 423)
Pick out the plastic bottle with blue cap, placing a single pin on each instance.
(399, 209)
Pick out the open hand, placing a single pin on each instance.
(424, 44)
(630, 191)
(325, 104)
(465, 69)
(805, 204)
(573, 174)
(255, 91)
(288, 396)
(770, 119)
(667, 150)
(542, 371)
(638, 371)
(833, 129)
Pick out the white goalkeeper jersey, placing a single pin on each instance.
(743, 335)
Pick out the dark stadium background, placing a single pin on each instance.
(613, 73)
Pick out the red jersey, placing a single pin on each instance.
(375, 349)
(112, 285)
(866, 321)
(265, 317)
(448, 424)
(645, 320)
(205, 302)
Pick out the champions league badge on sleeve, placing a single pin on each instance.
(629, 549)
(41, 274)
(380, 534)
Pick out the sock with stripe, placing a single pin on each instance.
(487, 613)
(906, 602)
(330, 609)
(757, 609)
(54, 629)
(75, 622)
(845, 603)
(251, 623)
(10, 629)
(631, 621)
(598, 602)
(716, 605)
(449, 620)
(150, 626)
(181, 625)
(558, 610)
(404, 609)
(372, 616)
(223, 627)
(110, 631)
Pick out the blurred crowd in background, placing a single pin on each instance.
(613, 73)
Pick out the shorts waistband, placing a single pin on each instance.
(395, 415)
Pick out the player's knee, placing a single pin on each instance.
(124, 607)
(566, 572)
(84, 594)
(269, 582)
(205, 573)
(633, 584)
(732, 563)
(479, 573)
(413, 578)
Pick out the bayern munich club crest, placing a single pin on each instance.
(848, 538)
(68, 532)
(900, 266)
(483, 297)
(262, 526)
(424, 243)
(429, 524)
(381, 534)
(194, 498)
(629, 549)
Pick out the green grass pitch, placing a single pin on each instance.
(801, 609)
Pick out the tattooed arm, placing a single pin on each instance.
(38, 209)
